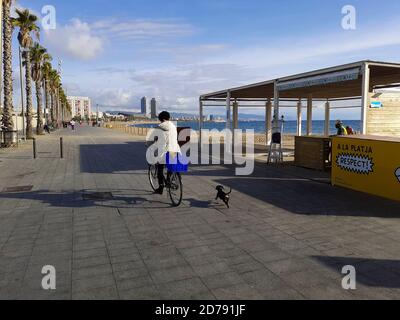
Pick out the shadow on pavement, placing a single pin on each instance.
(71, 199)
(82, 199)
(369, 272)
(111, 158)
(307, 197)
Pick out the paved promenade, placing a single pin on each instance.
(286, 236)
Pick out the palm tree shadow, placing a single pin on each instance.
(77, 199)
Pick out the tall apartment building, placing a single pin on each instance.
(154, 114)
(80, 106)
(143, 104)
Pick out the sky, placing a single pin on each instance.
(118, 51)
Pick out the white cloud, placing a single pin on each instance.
(142, 29)
(115, 98)
(75, 40)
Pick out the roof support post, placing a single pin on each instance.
(268, 121)
(235, 115)
(276, 102)
(299, 120)
(365, 96)
(201, 110)
(235, 123)
(309, 115)
(327, 118)
(228, 110)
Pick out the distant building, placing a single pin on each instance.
(154, 108)
(143, 104)
(80, 106)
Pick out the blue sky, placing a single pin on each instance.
(118, 51)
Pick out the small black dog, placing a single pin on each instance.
(224, 196)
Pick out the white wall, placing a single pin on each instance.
(18, 123)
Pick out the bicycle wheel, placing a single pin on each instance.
(153, 177)
(175, 188)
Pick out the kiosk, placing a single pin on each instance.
(369, 164)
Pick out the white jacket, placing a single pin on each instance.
(171, 137)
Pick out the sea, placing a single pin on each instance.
(290, 127)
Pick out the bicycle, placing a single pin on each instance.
(172, 181)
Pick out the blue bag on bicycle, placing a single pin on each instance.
(177, 163)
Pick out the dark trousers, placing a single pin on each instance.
(160, 174)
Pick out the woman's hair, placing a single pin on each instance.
(164, 116)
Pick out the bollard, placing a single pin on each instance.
(34, 148)
(61, 148)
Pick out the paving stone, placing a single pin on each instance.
(184, 289)
(92, 271)
(165, 262)
(108, 293)
(142, 293)
(217, 281)
(269, 255)
(263, 280)
(122, 266)
(237, 292)
(121, 275)
(172, 274)
(135, 282)
(89, 283)
(292, 265)
(90, 262)
(211, 269)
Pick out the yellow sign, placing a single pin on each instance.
(367, 164)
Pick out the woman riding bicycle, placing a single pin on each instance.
(170, 146)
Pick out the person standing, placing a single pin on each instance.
(72, 125)
(341, 130)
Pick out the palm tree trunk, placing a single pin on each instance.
(57, 109)
(47, 95)
(28, 85)
(52, 112)
(7, 63)
(39, 124)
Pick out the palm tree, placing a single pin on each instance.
(62, 106)
(46, 80)
(26, 22)
(7, 63)
(39, 56)
(54, 83)
(65, 106)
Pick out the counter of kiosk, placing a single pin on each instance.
(313, 152)
(366, 163)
